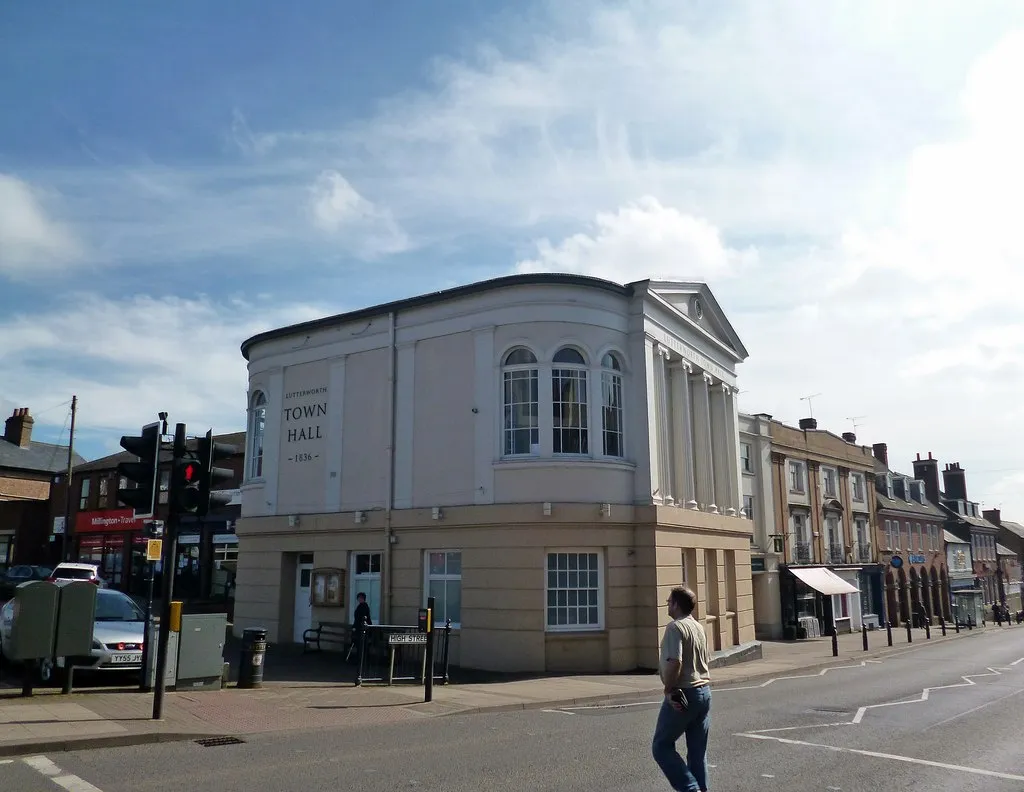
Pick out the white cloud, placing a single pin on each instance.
(341, 211)
(126, 360)
(30, 241)
(642, 240)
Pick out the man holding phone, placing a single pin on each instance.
(686, 710)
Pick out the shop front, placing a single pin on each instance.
(113, 540)
(813, 598)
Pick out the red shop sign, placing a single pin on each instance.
(107, 520)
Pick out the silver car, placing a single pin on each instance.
(117, 636)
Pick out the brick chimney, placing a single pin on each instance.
(881, 452)
(18, 428)
(993, 516)
(808, 423)
(954, 480)
(850, 437)
(927, 470)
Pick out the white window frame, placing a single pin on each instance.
(510, 372)
(562, 374)
(83, 493)
(446, 577)
(748, 504)
(860, 527)
(857, 488)
(830, 482)
(748, 463)
(888, 534)
(797, 477)
(612, 404)
(256, 435)
(601, 595)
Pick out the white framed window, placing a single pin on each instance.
(857, 482)
(257, 429)
(829, 480)
(796, 477)
(611, 406)
(888, 534)
(748, 465)
(574, 590)
(862, 532)
(920, 537)
(521, 432)
(569, 403)
(365, 579)
(443, 581)
(897, 542)
(748, 506)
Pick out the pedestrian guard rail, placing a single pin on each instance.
(390, 653)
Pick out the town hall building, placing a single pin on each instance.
(547, 455)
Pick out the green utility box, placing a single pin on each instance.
(75, 619)
(35, 620)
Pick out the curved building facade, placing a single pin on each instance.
(546, 455)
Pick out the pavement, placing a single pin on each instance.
(303, 692)
(938, 715)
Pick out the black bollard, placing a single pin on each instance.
(942, 626)
(864, 635)
(910, 635)
(928, 629)
(835, 641)
(888, 630)
(956, 625)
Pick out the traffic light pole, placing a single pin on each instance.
(170, 554)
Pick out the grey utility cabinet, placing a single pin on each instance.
(201, 651)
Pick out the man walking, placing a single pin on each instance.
(686, 709)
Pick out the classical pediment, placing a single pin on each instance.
(694, 300)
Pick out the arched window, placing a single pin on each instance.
(569, 403)
(521, 434)
(257, 427)
(611, 406)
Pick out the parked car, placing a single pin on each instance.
(117, 637)
(18, 574)
(67, 570)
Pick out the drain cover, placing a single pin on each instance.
(213, 742)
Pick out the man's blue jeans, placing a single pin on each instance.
(694, 722)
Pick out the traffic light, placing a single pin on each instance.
(209, 453)
(145, 473)
(187, 475)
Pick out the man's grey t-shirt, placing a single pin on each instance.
(685, 642)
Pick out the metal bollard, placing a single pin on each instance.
(888, 631)
(956, 625)
(942, 625)
(928, 629)
(910, 635)
(864, 635)
(835, 641)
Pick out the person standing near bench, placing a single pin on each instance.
(686, 710)
(360, 621)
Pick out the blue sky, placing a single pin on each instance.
(843, 175)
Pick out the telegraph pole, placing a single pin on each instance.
(65, 545)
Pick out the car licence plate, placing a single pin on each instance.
(126, 658)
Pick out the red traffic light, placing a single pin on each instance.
(189, 473)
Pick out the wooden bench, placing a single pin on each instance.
(326, 631)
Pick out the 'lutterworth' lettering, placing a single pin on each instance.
(305, 412)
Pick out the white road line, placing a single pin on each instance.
(1017, 662)
(861, 664)
(925, 694)
(974, 709)
(68, 781)
(894, 757)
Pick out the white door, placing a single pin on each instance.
(303, 605)
(365, 579)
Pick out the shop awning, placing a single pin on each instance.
(824, 580)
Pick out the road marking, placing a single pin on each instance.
(6, 761)
(925, 694)
(68, 781)
(861, 664)
(975, 709)
(1017, 662)
(894, 757)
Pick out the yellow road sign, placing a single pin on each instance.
(154, 549)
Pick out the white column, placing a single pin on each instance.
(682, 435)
(335, 426)
(654, 436)
(703, 457)
(733, 427)
(720, 448)
(664, 428)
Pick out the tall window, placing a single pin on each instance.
(569, 403)
(83, 498)
(257, 427)
(574, 591)
(830, 482)
(366, 579)
(748, 506)
(521, 433)
(611, 406)
(444, 584)
(745, 458)
(858, 486)
(796, 477)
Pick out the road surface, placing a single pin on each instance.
(936, 717)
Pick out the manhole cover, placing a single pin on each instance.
(213, 742)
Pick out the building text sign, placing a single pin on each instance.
(305, 411)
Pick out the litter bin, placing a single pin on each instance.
(254, 650)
